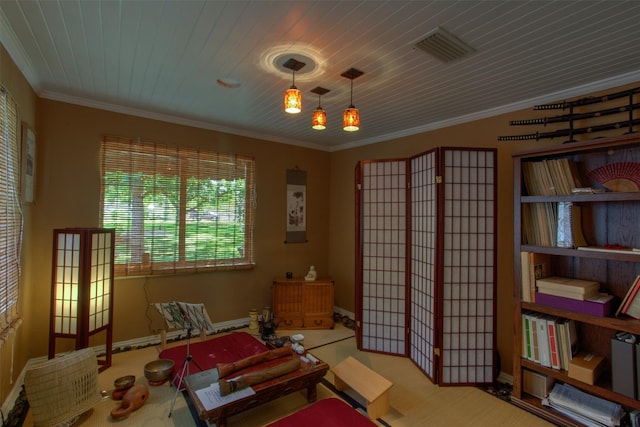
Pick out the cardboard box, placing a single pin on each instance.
(536, 384)
(586, 367)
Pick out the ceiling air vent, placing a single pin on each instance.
(444, 45)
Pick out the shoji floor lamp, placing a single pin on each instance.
(82, 287)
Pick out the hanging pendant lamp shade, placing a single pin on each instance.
(351, 119)
(293, 100)
(319, 119)
(319, 116)
(351, 116)
(293, 97)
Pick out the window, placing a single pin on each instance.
(10, 217)
(176, 209)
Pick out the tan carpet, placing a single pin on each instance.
(155, 412)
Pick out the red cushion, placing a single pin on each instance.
(326, 412)
(207, 354)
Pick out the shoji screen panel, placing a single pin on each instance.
(424, 216)
(382, 255)
(468, 266)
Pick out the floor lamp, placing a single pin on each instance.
(82, 287)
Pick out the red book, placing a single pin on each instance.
(633, 292)
(553, 343)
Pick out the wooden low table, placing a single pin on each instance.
(304, 378)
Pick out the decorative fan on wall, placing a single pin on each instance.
(620, 177)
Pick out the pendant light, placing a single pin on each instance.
(319, 117)
(293, 97)
(351, 116)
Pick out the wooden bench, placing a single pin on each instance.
(373, 387)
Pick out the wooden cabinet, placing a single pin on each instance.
(299, 304)
(608, 218)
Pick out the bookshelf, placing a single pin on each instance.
(606, 218)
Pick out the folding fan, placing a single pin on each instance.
(623, 176)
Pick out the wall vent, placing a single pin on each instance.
(444, 45)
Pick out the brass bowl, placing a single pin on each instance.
(124, 383)
(158, 370)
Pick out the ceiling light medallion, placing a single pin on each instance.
(319, 117)
(351, 116)
(293, 97)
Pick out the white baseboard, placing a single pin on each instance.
(344, 312)
(505, 378)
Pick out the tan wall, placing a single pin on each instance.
(17, 85)
(68, 190)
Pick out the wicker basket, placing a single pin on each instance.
(62, 388)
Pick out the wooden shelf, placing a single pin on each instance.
(607, 218)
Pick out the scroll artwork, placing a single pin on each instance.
(296, 206)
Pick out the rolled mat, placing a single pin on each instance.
(225, 369)
(251, 378)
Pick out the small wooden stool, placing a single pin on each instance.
(373, 387)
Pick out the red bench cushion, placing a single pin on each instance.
(326, 412)
(207, 354)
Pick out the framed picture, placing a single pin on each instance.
(296, 206)
(28, 164)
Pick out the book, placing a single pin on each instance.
(540, 268)
(567, 287)
(612, 248)
(561, 327)
(626, 298)
(525, 278)
(526, 336)
(600, 305)
(629, 297)
(572, 337)
(568, 294)
(569, 233)
(554, 348)
(534, 266)
(535, 349)
(543, 340)
(632, 306)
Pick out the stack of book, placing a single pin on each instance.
(551, 177)
(548, 340)
(577, 295)
(568, 287)
(630, 305)
(587, 409)
(552, 224)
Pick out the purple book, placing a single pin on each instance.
(600, 305)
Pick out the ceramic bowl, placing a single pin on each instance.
(158, 370)
(125, 382)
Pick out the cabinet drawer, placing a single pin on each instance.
(318, 322)
(289, 322)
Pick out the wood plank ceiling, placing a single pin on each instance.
(163, 59)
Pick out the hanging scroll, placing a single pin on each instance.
(296, 206)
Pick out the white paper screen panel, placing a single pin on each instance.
(468, 267)
(383, 216)
(424, 217)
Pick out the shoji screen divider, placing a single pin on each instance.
(382, 237)
(426, 261)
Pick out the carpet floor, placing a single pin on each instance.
(414, 400)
